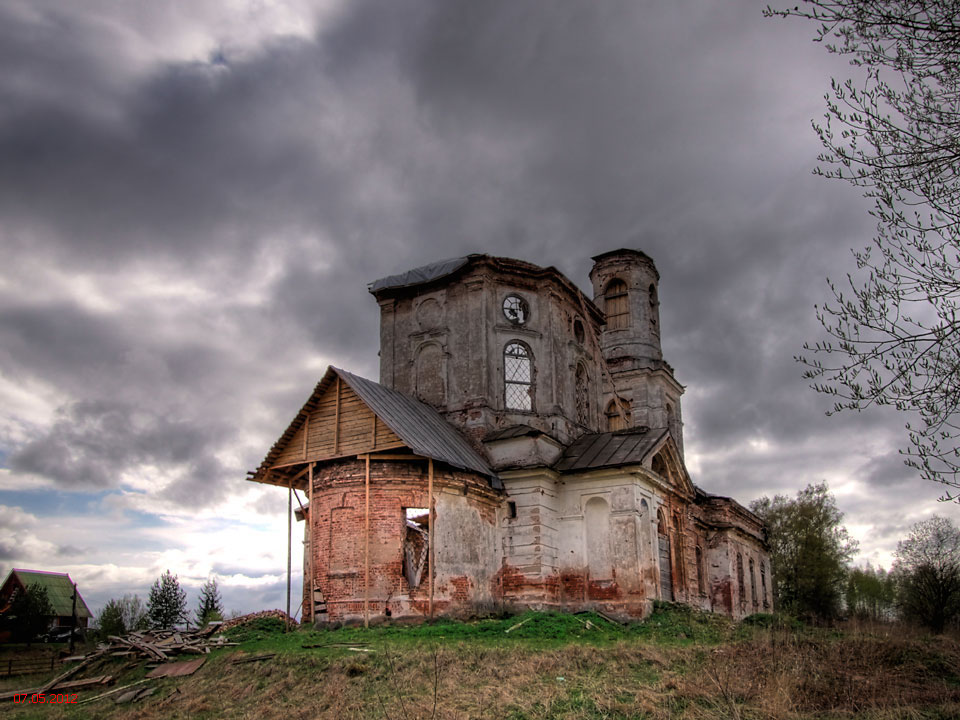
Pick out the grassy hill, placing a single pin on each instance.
(676, 664)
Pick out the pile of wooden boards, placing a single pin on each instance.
(161, 645)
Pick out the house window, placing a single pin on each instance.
(518, 377)
(616, 305)
(618, 418)
(583, 395)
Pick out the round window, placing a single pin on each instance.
(516, 310)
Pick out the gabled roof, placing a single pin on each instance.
(610, 449)
(59, 589)
(419, 426)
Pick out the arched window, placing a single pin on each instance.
(578, 332)
(582, 383)
(618, 419)
(740, 584)
(652, 293)
(518, 377)
(616, 305)
(753, 585)
(659, 466)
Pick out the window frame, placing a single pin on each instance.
(530, 385)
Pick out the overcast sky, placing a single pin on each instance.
(193, 197)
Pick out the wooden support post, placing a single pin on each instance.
(289, 546)
(336, 421)
(306, 432)
(430, 533)
(309, 519)
(366, 546)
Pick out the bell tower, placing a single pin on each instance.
(626, 287)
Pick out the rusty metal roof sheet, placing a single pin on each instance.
(610, 449)
(420, 275)
(419, 426)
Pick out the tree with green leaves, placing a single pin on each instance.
(928, 570)
(29, 614)
(870, 593)
(210, 606)
(123, 615)
(167, 603)
(894, 330)
(809, 551)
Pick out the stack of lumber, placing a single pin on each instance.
(163, 644)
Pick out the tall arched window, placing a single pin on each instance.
(700, 585)
(618, 419)
(753, 585)
(582, 384)
(518, 377)
(616, 305)
(763, 584)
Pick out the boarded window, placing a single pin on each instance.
(343, 543)
(596, 520)
(616, 305)
(663, 555)
(583, 395)
(618, 418)
(416, 545)
(518, 377)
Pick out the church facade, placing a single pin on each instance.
(522, 448)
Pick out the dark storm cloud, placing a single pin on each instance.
(403, 133)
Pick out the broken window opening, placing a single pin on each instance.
(618, 419)
(700, 570)
(753, 585)
(763, 584)
(511, 510)
(416, 545)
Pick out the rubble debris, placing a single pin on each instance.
(244, 619)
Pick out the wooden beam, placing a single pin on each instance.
(336, 421)
(366, 547)
(289, 547)
(430, 533)
(309, 519)
(388, 456)
(306, 432)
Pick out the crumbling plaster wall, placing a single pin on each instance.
(461, 322)
(466, 553)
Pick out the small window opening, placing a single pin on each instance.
(578, 332)
(416, 545)
(511, 510)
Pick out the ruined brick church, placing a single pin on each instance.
(522, 448)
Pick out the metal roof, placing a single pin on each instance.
(419, 426)
(419, 275)
(610, 449)
(59, 589)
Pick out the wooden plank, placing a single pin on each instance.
(306, 434)
(310, 549)
(373, 432)
(336, 421)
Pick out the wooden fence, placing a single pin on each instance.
(25, 666)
